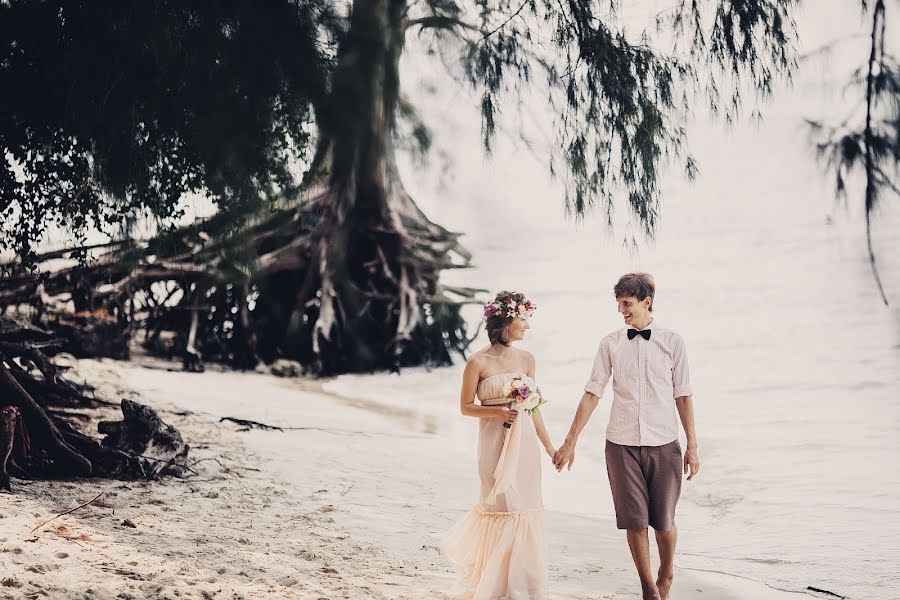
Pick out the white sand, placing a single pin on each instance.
(352, 506)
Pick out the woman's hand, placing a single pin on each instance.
(565, 456)
(509, 415)
(551, 451)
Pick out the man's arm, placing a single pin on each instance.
(566, 453)
(593, 390)
(685, 406)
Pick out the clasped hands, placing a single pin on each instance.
(565, 456)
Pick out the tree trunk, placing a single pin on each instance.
(375, 278)
(344, 277)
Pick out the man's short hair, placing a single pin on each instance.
(639, 285)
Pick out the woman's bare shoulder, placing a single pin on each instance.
(477, 359)
(480, 354)
(526, 355)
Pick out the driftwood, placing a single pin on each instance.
(826, 592)
(142, 434)
(247, 424)
(33, 388)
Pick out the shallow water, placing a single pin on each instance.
(795, 362)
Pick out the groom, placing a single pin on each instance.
(649, 370)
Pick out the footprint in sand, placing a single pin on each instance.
(41, 569)
(61, 555)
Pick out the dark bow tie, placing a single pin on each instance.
(644, 333)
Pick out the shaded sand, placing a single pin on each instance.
(351, 505)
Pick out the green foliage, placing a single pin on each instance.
(115, 109)
(619, 100)
(867, 140)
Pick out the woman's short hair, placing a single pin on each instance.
(496, 325)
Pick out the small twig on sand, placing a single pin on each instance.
(247, 425)
(820, 591)
(197, 462)
(169, 462)
(252, 424)
(221, 464)
(67, 512)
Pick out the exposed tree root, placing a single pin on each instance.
(38, 440)
(301, 281)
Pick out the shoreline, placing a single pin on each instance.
(349, 505)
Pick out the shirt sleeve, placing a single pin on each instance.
(601, 372)
(681, 378)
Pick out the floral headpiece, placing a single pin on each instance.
(509, 306)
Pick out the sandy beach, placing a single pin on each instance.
(770, 276)
(349, 504)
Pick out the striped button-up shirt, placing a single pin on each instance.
(647, 376)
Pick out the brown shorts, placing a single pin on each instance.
(645, 483)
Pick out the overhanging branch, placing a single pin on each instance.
(441, 22)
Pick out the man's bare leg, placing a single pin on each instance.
(665, 541)
(639, 543)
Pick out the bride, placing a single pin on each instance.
(499, 548)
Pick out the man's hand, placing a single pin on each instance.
(691, 461)
(565, 456)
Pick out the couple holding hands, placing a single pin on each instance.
(499, 548)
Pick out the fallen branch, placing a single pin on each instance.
(252, 424)
(67, 512)
(826, 592)
(248, 425)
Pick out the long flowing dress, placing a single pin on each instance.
(499, 548)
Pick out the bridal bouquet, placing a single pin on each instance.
(523, 394)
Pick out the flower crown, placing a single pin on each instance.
(507, 306)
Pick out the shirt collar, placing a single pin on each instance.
(651, 325)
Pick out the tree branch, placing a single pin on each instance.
(506, 22)
(885, 180)
(868, 141)
(440, 22)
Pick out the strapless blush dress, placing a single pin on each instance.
(499, 548)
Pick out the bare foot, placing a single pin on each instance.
(649, 592)
(664, 585)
